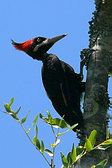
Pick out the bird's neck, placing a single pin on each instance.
(47, 57)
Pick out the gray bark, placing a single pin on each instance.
(99, 66)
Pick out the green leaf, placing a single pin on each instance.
(79, 152)
(11, 101)
(36, 142)
(36, 130)
(59, 122)
(69, 159)
(18, 110)
(14, 116)
(72, 127)
(54, 121)
(80, 149)
(35, 120)
(42, 147)
(64, 160)
(90, 142)
(40, 115)
(88, 145)
(47, 120)
(24, 119)
(92, 137)
(62, 133)
(102, 164)
(7, 108)
(49, 152)
(107, 142)
(56, 143)
(104, 145)
(49, 115)
(73, 154)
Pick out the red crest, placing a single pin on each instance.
(22, 46)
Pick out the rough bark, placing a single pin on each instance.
(99, 66)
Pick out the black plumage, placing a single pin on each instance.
(64, 88)
(62, 84)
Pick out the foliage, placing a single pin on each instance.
(56, 124)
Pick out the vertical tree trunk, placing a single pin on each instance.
(98, 67)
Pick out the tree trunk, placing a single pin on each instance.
(99, 65)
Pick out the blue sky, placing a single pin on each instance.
(21, 75)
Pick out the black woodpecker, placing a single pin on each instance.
(62, 84)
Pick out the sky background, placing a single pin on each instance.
(21, 76)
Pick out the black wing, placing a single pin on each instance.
(63, 87)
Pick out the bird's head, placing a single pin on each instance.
(37, 47)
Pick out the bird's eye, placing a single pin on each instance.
(38, 39)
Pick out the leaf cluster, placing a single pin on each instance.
(77, 153)
(56, 124)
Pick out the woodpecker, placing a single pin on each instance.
(63, 86)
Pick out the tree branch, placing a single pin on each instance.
(99, 66)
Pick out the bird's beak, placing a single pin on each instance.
(49, 41)
(56, 38)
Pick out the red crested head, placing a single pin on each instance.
(38, 46)
(25, 46)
